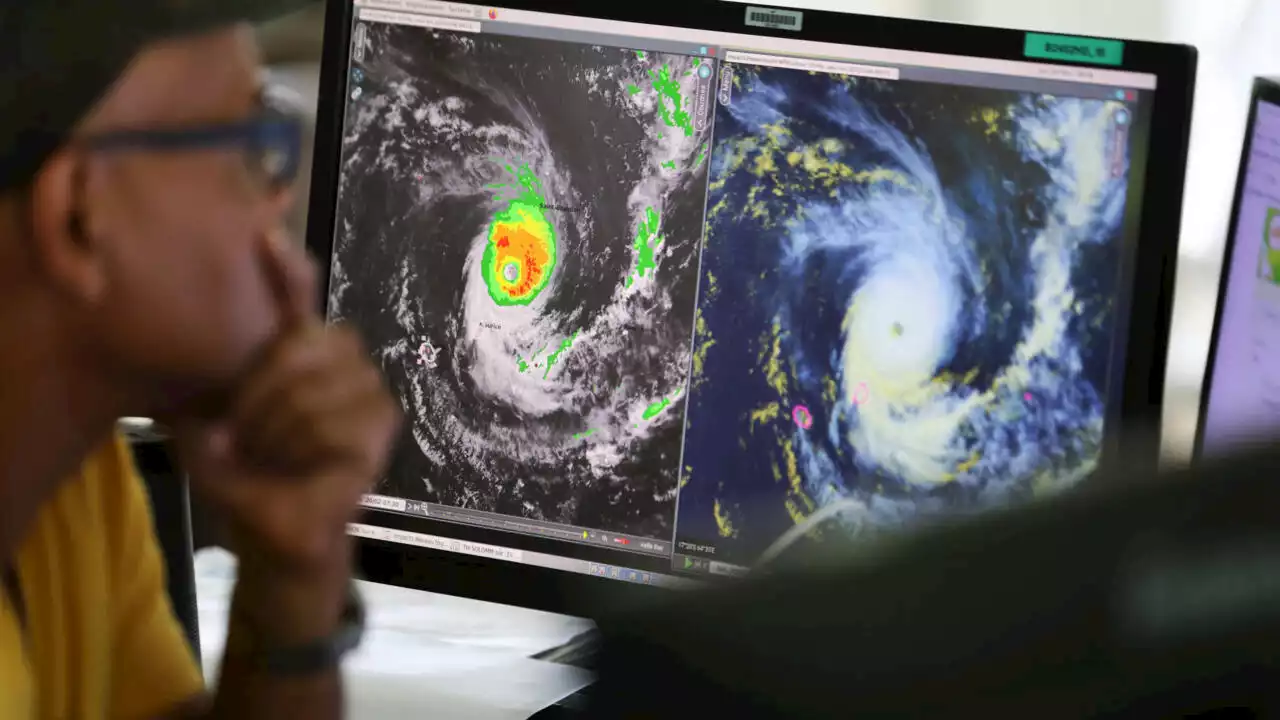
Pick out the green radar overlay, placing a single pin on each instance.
(520, 255)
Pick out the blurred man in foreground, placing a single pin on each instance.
(143, 180)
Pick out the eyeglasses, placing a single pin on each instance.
(271, 142)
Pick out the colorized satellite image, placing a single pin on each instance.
(906, 303)
(517, 234)
(1269, 256)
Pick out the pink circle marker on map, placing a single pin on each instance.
(1026, 396)
(802, 417)
(860, 394)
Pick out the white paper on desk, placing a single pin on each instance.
(425, 654)
(389, 680)
(444, 618)
(407, 682)
(377, 698)
(466, 622)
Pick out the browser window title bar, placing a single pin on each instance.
(814, 50)
(427, 7)
(369, 14)
(807, 65)
(829, 51)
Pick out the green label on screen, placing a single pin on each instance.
(1074, 49)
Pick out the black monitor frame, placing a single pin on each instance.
(1146, 331)
(1264, 90)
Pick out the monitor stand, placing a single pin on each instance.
(580, 652)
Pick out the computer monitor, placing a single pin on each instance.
(1240, 398)
(656, 287)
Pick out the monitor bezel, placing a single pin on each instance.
(1264, 90)
(1147, 331)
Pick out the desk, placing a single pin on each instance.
(425, 655)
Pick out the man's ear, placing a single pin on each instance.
(66, 251)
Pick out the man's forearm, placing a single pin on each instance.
(271, 613)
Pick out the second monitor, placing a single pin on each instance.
(652, 296)
(1240, 401)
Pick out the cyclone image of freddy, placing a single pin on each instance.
(517, 236)
(906, 304)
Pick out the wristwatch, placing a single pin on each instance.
(321, 654)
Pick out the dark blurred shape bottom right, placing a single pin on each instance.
(1120, 599)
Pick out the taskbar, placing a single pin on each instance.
(698, 565)
(526, 557)
(524, 526)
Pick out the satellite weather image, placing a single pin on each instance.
(906, 302)
(517, 235)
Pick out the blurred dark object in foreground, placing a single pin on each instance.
(171, 510)
(1123, 599)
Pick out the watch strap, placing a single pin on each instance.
(321, 654)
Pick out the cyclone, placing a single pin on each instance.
(521, 252)
(929, 271)
(517, 233)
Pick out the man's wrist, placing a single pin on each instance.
(275, 608)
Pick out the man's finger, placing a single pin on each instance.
(206, 452)
(316, 419)
(298, 356)
(292, 278)
(311, 358)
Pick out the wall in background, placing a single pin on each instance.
(1236, 42)
(1139, 19)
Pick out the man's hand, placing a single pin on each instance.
(307, 433)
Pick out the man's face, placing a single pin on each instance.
(185, 303)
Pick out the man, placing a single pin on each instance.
(143, 180)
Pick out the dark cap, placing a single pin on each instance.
(58, 57)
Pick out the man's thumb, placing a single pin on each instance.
(205, 451)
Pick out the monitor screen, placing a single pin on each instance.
(652, 296)
(1243, 398)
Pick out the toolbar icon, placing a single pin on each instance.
(493, 14)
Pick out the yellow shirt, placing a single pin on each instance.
(102, 640)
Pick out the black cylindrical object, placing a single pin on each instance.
(171, 508)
